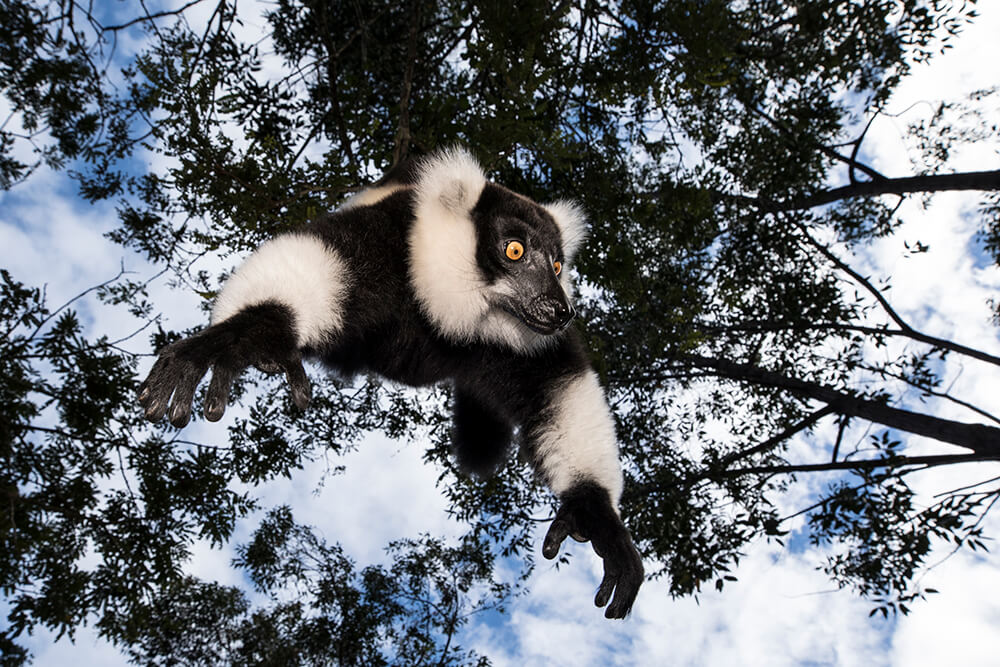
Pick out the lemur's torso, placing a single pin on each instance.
(395, 338)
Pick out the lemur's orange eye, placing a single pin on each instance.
(558, 267)
(514, 250)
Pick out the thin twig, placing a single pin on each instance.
(861, 280)
(79, 296)
(148, 16)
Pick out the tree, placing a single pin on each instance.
(718, 149)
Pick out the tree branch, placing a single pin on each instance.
(83, 437)
(942, 343)
(719, 469)
(972, 180)
(857, 148)
(892, 461)
(771, 442)
(851, 162)
(925, 389)
(982, 439)
(142, 19)
(332, 75)
(402, 146)
(857, 277)
(45, 320)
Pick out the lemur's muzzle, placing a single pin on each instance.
(534, 295)
(546, 314)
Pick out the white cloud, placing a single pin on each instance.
(88, 649)
(386, 492)
(961, 625)
(780, 612)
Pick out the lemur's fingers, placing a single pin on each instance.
(623, 575)
(298, 382)
(155, 390)
(558, 531)
(187, 383)
(607, 586)
(145, 388)
(626, 582)
(587, 514)
(217, 398)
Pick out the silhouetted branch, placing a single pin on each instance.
(145, 17)
(909, 332)
(888, 462)
(973, 180)
(982, 439)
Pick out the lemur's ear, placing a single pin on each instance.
(572, 225)
(451, 179)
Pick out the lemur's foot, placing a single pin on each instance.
(261, 335)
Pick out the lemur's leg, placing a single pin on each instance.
(481, 436)
(285, 298)
(572, 441)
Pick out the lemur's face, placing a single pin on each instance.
(520, 252)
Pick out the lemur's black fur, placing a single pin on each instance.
(518, 366)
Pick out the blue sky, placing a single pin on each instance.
(782, 611)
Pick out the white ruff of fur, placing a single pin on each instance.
(298, 271)
(371, 196)
(579, 442)
(572, 225)
(443, 269)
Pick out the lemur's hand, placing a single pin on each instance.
(262, 335)
(586, 514)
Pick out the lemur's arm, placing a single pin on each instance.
(572, 442)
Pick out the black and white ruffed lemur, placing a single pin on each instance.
(434, 274)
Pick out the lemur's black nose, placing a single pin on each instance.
(562, 314)
(547, 315)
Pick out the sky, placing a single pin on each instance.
(782, 611)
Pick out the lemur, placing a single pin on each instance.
(433, 275)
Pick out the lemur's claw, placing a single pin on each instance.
(298, 382)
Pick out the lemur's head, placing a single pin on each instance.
(487, 263)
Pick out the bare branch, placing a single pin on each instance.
(857, 277)
(147, 16)
(719, 468)
(121, 272)
(932, 392)
(942, 343)
(972, 180)
(83, 437)
(980, 438)
(402, 146)
(775, 440)
(840, 438)
(857, 147)
(888, 462)
(851, 162)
